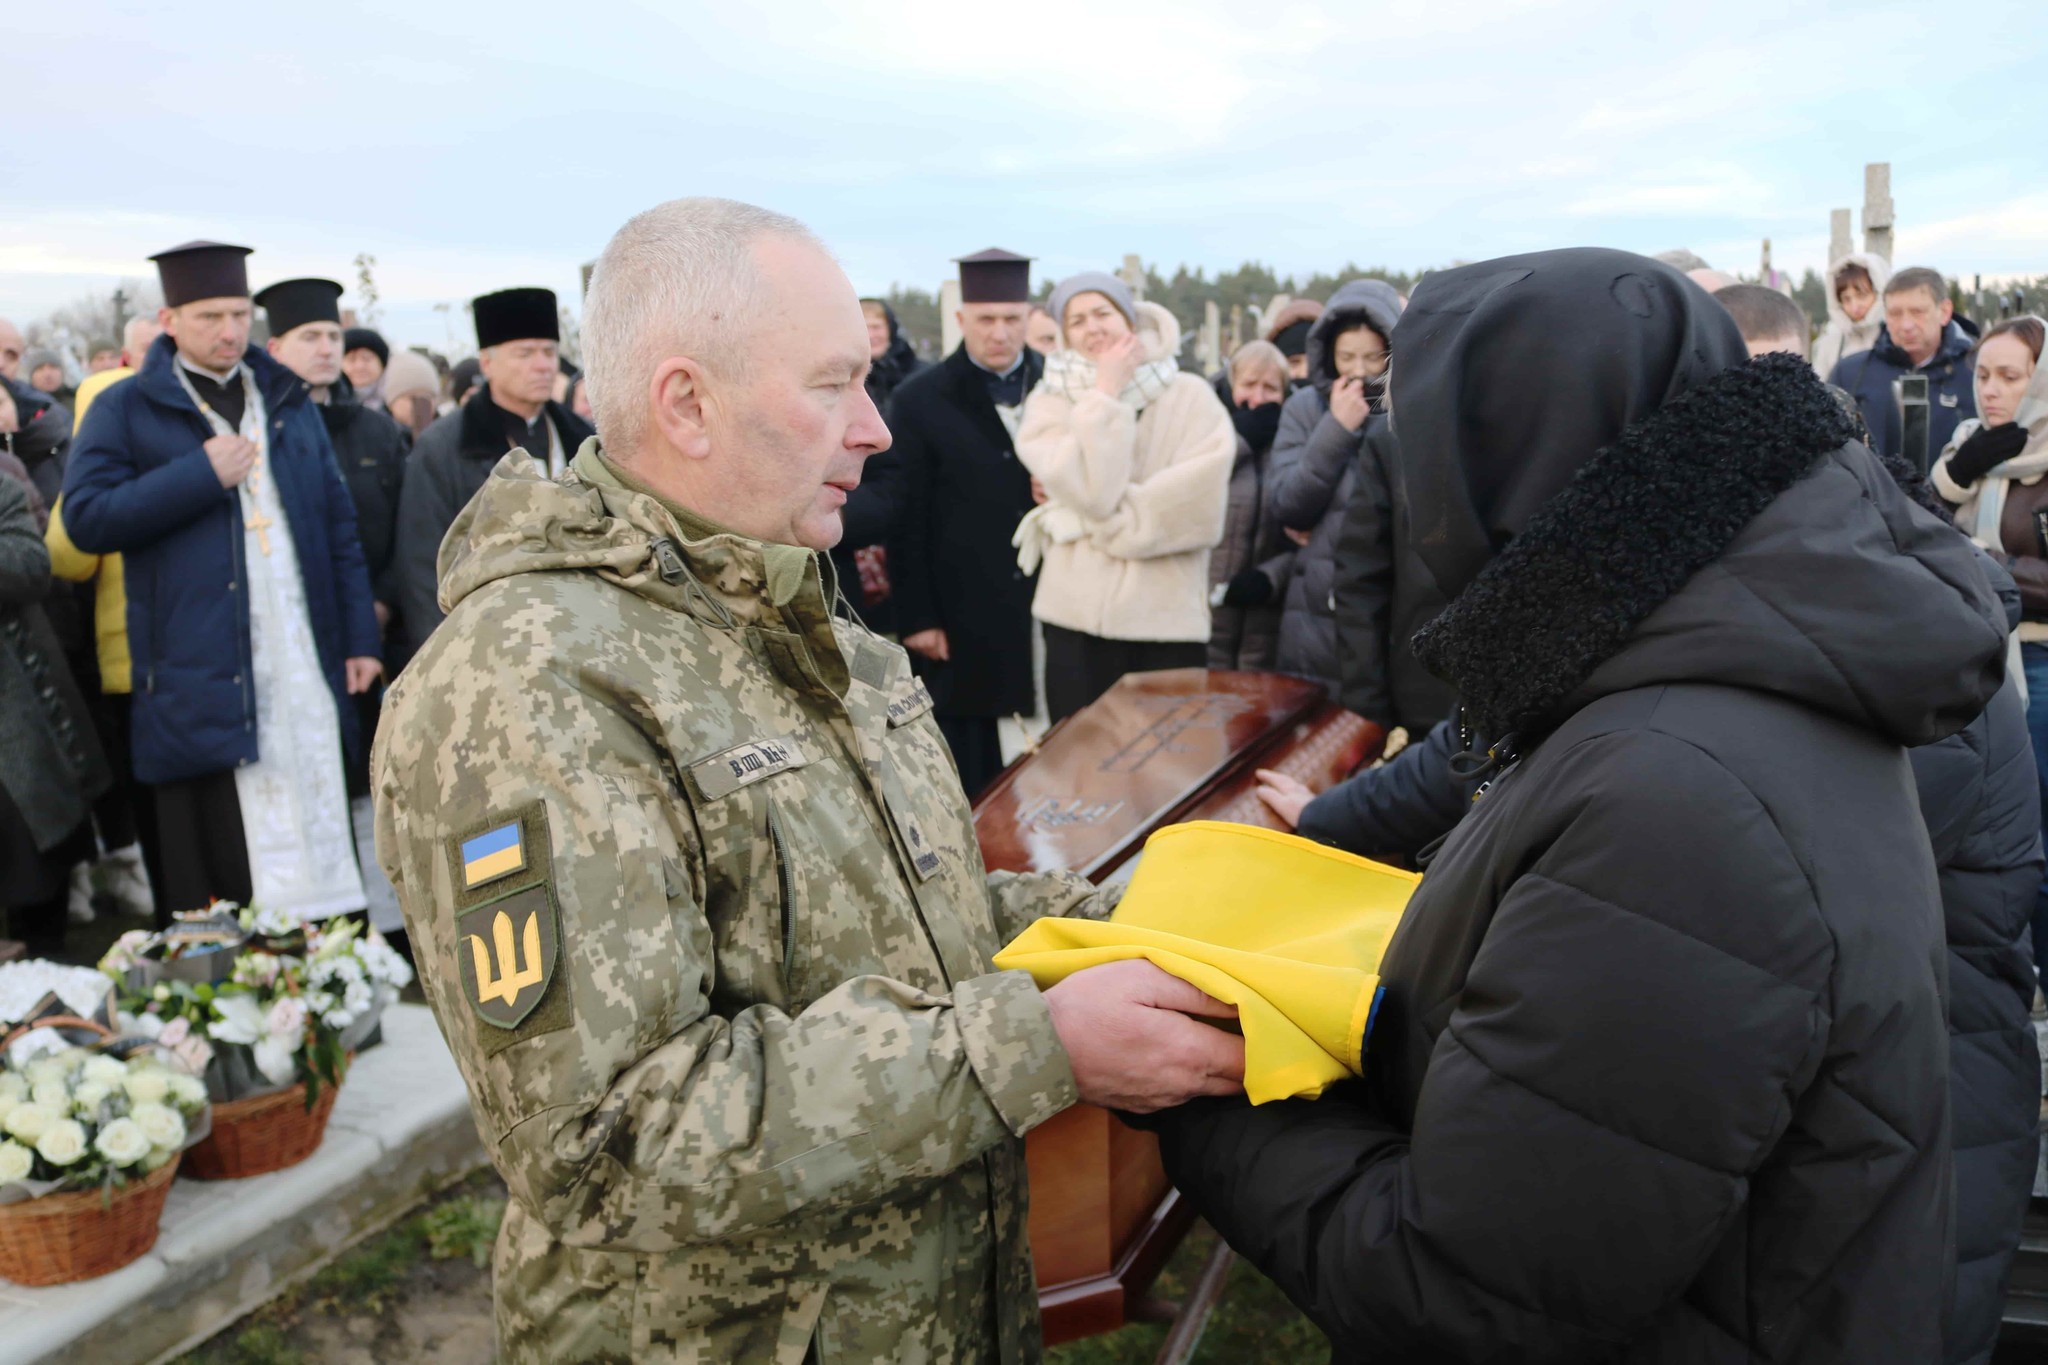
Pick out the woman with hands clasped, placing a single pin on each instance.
(1134, 459)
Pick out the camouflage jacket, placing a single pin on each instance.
(696, 899)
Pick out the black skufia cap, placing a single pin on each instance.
(516, 315)
(203, 270)
(994, 276)
(294, 303)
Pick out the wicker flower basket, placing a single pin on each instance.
(261, 1134)
(60, 1238)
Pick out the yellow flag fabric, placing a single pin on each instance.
(1289, 931)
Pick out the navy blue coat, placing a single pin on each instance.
(1951, 391)
(139, 484)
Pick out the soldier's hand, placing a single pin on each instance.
(1127, 1033)
(930, 643)
(232, 458)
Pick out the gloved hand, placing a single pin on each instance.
(1249, 588)
(1987, 448)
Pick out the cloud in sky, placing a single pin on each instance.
(470, 148)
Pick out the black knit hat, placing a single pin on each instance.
(202, 270)
(294, 303)
(366, 339)
(516, 315)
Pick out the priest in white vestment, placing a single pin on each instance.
(249, 602)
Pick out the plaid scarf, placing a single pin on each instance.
(1072, 374)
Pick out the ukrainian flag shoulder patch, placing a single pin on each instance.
(493, 854)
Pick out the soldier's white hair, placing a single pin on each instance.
(678, 279)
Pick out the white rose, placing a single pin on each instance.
(89, 1096)
(52, 1094)
(16, 1161)
(28, 1121)
(108, 1071)
(13, 1085)
(148, 1087)
(157, 1158)
(160, 1124)
(6, 1106)
(274, 1060)
(62, 1143)
(188, 1092)
(122, 1142)
(45, 1069)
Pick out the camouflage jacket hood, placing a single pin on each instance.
(524, 522)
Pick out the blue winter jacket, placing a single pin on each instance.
(139, 484)
(1951, 391)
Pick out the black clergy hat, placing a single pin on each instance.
(994, 276)
(203, 270)
(294, 303)
(516, 315)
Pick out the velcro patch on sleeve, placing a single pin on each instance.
(727, 771)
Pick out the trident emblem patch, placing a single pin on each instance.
(507, 954)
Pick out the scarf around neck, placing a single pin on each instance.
(1071, 374)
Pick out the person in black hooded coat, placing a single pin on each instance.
(1980, 802)
(1661, 1070)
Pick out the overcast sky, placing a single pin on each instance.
(480, 145)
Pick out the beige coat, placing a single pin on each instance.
(1149, 489)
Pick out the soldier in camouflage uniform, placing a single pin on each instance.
(696, 899)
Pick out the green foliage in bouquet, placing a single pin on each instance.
(298, 1001)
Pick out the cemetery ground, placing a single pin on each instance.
(420, 1291)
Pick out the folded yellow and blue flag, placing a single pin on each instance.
(1289, 931)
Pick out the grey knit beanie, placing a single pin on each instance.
(1092, 282)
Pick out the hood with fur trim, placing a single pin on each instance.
(1737, 535)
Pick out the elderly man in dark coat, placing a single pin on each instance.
(1661, 1070)
(962, 604)
(518, 333)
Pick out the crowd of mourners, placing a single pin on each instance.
(1065, 501)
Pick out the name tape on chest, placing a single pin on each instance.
(727, 771)
(907, 705)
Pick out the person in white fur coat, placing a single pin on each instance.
(1133, 458)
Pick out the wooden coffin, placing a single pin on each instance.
(1157, 749)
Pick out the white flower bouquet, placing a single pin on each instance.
(296, 1002)
(89, 1140)
(81, 1119)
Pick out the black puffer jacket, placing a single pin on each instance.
(1310, 474)
(1381, 594)
(1980, 799)
(1980, 796)
(1660, 1075)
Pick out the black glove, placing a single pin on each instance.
(1249, 588)
(1987, 448)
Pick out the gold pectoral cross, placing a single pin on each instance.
(511, 977)
(256, 521)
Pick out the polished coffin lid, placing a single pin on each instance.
(1155, 749)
